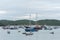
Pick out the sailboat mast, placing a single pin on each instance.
(30, 19)
(36, 19)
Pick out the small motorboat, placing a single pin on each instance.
(51, 32)
(29, 33)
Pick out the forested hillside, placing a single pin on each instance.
(26, 22)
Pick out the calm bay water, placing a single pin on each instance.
(40, 35)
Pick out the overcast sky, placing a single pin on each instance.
(21, 9)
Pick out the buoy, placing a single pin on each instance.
(8, 32)
(18, 31)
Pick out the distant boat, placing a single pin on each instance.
(13, 27)
(10, 27)
(51, 32)
(21, 26)
(5, 27)
(8, 32)
(31, 30)
(26, 33)
(26, 27)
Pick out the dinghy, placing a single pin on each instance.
(51, 32)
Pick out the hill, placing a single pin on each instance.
(26, 22)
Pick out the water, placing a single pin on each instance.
(40, 35)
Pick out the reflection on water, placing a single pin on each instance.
(40, 35)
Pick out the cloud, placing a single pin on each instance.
(20, 9)
(3, 12)
(43, 5)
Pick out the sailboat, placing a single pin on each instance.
(32, 29)
(28, 28)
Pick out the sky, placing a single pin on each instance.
(28, 9)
